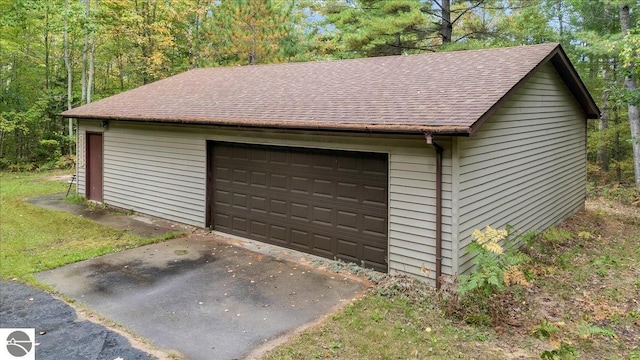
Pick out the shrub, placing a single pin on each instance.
(495, 266)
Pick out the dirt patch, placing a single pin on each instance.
(64, 178)
(586, 290)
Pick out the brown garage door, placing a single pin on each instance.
(328, 203)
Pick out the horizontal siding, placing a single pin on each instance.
(412, 200)
(158, 173)
(526, 166)
(160, 170)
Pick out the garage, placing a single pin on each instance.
(324, 202)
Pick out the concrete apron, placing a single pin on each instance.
(206, 297)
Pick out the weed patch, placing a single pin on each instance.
(582, 303)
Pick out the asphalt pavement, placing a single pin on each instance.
(203, 296)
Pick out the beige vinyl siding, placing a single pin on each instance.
(160, 170)
(160, 173)
(81, 152)
(412, 212)
(525, 167)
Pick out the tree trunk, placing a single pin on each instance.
(47, 51)
(67, 63)
(67, 60)
(632, 86)
(603, 125)
(617, 152)
(195, 51)
(92, 51)
(85, 52)
(446, 28)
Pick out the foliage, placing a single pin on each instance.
(378, 27)
(625, 194)
(586, 331)
(565, 351)
(544, 330)
(253, 32)
(137, 42)
(495, 266)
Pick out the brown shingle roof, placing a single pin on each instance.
(449, 92)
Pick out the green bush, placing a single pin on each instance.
(495, 266)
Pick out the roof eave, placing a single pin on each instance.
(560, 60)
(569, 75)
(289, 125)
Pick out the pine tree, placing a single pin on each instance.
(379, 27)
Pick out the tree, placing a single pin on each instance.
(458, 11)
(632, 87)
(250, 31)
(379, 27)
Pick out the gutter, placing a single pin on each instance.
(439, 150)
(285, 124)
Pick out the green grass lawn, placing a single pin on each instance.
(33, 239)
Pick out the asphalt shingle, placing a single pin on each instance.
(440, 92)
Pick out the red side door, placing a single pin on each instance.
(94, 166)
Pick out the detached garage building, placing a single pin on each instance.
(391, 162)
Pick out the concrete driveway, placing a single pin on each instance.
(204, 296)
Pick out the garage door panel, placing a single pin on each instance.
(375, 255)
(348, 250)
(375, 167)
(280, 157)
(259, 156)
(240, 176)
(300, 238)
(278, 235)
(323, 215)
(324, 161)
(374, 225)
(278, 207)
(239, 224)
(323, 244)
(350, 164)
(240, 201)
(223, 174)
(259, 228)
(374, 195)
(300, 212)
(347, 220)
(300, 184)
(322, 188)
(222, 221)
(258, 203)
(329, 203)
(278, 182)
(347, 191)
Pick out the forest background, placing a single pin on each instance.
(60, 54)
